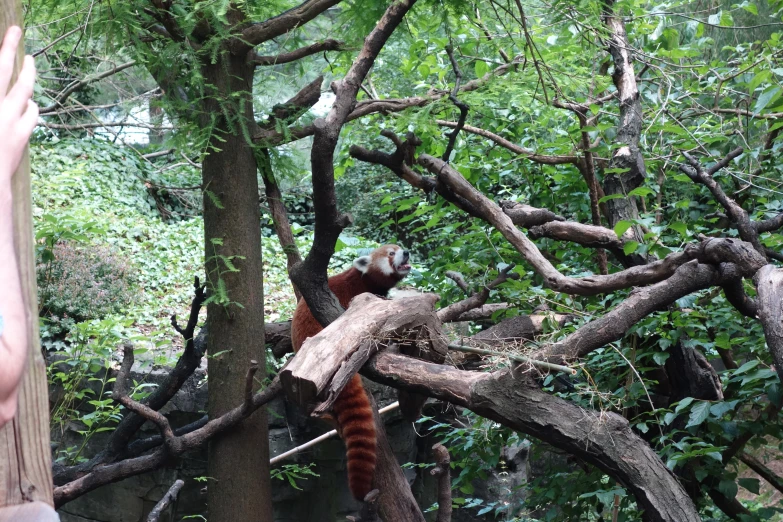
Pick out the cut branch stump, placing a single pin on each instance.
(326, 362)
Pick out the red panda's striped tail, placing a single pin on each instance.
(355, 421)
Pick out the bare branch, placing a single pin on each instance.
(462, 106)
(513, 147)
(769, 225)
(288, 21)
(113, 472)
(459, 279)
(78, 84)
(302, 52)
(526, 216)
(130, 424)
(762, 470)
(274, 199)
(476, 300)
(442, 470)
(746, 229)
(168, 498)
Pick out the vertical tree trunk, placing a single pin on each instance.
(25, 455)
(239, 460)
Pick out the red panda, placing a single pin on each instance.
(377, 273)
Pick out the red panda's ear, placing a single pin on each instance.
(362, 263)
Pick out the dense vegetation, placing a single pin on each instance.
(121, 230)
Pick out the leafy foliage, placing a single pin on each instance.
(84, 283)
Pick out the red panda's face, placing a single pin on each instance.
(388, 260)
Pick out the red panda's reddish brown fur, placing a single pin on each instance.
(352, 410)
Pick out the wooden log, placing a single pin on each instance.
(25, 455)
(326, 362)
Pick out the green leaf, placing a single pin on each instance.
(621, 227)
(728, 488)
(481, 68)
(766, 98)
(660, 358)
(699, 414)
(751, 8)
(641, 191)
(610, 197)
(719, 409)
(630, 247)
(746, 367)
(759, 78)
(750, 484)
(679, 227)
(215, 200)
(683, 404)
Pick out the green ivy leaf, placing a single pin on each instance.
(699, 414)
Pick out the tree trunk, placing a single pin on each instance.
(238, 460)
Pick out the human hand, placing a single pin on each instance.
(18, 113)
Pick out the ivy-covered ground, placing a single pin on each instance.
(94, 197)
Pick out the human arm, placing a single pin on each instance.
(18, 116)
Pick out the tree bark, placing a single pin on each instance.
(769, 284)
(628, 156)
(239, 459)
(602, 439)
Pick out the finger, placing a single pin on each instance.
(28, 121)
(22, 91)
(8, 56)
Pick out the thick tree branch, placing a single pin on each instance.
(288, 21)
(769, 286)
(769, 225)
(627, 157)
(602, 439)
(687, 279)
(302, 52)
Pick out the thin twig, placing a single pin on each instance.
(517, 358)
(463, 107)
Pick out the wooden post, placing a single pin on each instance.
(25, 455)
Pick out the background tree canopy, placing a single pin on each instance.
(607, 170)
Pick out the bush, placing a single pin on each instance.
(84, 282)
